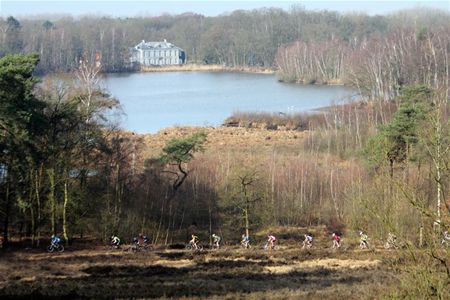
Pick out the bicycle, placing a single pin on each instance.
(55, 247)
(136, 247)
(445, 242)
(194, 247)
(307, 245)
(390, 245)
(269, 246)
(245, 244)
(364, 245)
(391, 242)
(336, 245)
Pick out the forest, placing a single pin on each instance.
(380, 163)
(238, 38)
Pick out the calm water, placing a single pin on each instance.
(153, 101)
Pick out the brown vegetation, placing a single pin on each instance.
(207, 68)
(377, 67)
(226, 273)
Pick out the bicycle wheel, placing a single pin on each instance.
(60, 248)
(188, 247)
(50, 249)
(199, 247)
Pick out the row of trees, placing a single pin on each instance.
(67, 168)
(377, 67)
(51, 134)
(239, 38)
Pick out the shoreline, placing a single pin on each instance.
(207, 68)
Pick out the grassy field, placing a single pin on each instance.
(230, 273)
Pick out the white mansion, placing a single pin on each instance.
(157, 54)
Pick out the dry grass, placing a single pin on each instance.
(223, 274)
(327, 263)
(226, 139)
(276, 121)
(208, 68)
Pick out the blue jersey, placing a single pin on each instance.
(56, 240)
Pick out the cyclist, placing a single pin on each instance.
(216, 240)
(142, 240)
(307, 243)
(194, 241)
(271, 239)
(245, 242)
(446, 238)
(363, 240)
(391, 241)
(336, 240)
(115, 241)
(55, 240)
(135, 245)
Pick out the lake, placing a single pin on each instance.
(152, 101)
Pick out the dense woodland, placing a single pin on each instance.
(240, 38)
(381, 164)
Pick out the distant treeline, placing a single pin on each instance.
(377, 67)
(240, 38)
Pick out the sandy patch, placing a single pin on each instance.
(181, 263)
(330, 263)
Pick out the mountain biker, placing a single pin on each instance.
(115, 241)
(391, 241)
(194, 241)
(271, 239)
(336, 240)
(55, 240)
(216, 240)
(142, 240)
(363, 240)
(446, 238)
(307, 243)
(245, 242)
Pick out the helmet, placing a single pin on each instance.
(53, 236)
(112, 236)
(360, 232)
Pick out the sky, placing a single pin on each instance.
(116, 8)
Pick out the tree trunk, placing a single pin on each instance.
(51, 196)
(38, 202)
(210, 224)
(6, 220)
(66, 202)
(247, 224)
